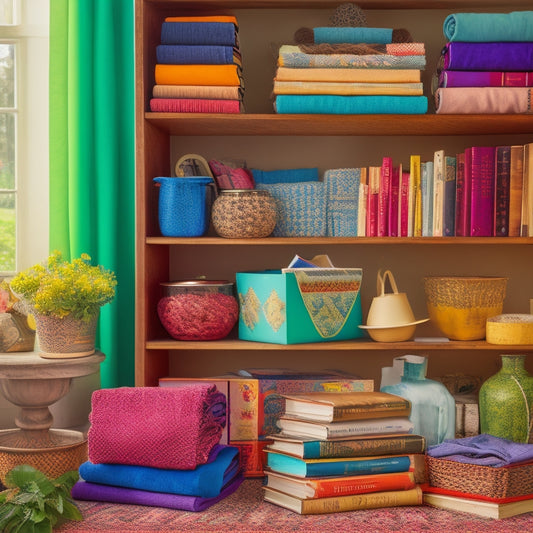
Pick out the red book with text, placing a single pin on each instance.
(502, 191)
(394, 201)
(462, 199)
(403, 215)
(459, 195)
(482, 191)
(383, 198)
(373, 201)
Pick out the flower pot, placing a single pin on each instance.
(65, 337)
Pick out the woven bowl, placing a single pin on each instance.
(460, 306)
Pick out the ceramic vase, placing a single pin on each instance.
(432, 405)
(506, 401)
(65, 337)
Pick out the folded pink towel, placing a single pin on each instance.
(157, 427)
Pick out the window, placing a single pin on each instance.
(23, 133)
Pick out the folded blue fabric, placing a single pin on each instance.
(199, 33)
(483, 449)
(350, 105)
(189, 54)
(205, 480)
(338, 35)
(291, 175)
(489, 27)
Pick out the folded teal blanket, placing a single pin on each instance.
(350, 105)
(335, 35)
(290, 175)
(205, 480)
(489, 27)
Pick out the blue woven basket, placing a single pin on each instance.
(183, 210)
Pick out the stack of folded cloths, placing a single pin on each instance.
(158, 447)
(198, 66)
(350, 69)
(487, 64)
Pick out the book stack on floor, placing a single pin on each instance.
(344, 452)
(199, 67)
(483, 475)
(158, 447)
(487, 64)
(350, 70)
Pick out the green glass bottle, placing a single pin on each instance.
(506, 401)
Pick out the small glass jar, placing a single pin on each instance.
(244, 213)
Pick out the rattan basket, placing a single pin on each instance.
(494, 482)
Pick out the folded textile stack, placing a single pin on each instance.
(350, 70)
(487, 64)
(158, 447)
(199, 67)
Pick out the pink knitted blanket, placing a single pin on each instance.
(172, 428)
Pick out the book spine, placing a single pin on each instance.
(403, 215)
(361, 214)
(426, 179)
(383, 199)
(366, 447)
(528, 177)
(457, 78)
(438, 192)
(416, 196)
(244, 409)
(393, 498)
(502, 191)
(372, 427)
(515, 190)
(373, 202)
(194, 105)
(377, 465)
(394, 198)
(459, 194)
(448, 222)
(341, 414)
(482, 191)
(329, 487)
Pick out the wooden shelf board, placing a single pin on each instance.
(332, 241)
(352, 345)
(327, 125)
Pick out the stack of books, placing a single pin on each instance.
(487, 64)
(343, 452)
(199, 67)
(483, 475)
(349, 70)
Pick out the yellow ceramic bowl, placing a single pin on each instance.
(460, 306)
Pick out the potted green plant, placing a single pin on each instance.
(33, 503)
(65, 298)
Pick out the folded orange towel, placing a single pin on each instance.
(197, 75)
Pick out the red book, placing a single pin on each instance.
(502, 191)
(394, 201)
(373, 201)
(403, 214)
(459, 195)
(515, 194)
(194, 105)
(463, 78)
(482, 191)
(462, 228)
(383, 200)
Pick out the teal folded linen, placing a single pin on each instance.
(290, 175)
(350, 105)
(489, 27)
(205, 480)
(336, 35)
(342, 201)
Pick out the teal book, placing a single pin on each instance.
(287, 464)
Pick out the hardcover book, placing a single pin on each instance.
(426, 184)
(471, 78)
(439, 172)
(482, 191)
(528, 179)
(515, 190)
(325, 431)
(372, 210)
(383, 197)
(415, 197)
(296, 466)
(326, 487)
(448, 217)
(403, 215)
(459, 194)
(502, 191)
(363, 202)
(364, 445)
(394, 201)
(463, 194)
(336, 504)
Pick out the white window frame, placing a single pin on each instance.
(31, 37)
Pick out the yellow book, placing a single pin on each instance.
(416, 209)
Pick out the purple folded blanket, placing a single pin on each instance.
(484, 450)
(158, 427)
(84, 490)
(488, 56)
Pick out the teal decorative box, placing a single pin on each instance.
(293, 306)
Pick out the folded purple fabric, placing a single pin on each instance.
(483, 449)
(488, 56)
(84, 490)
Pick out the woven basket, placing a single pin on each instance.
(460, 306)
(494, 482)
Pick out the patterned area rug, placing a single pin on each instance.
(246, 512)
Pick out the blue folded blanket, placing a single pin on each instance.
(338, 35)
(223, 33)
(189, 54)
(205, 480)
(350, 105)
(290, 175)
(484, 450)
(489, 27)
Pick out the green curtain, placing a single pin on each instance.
(92, 151)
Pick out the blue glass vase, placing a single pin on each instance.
(432, 405)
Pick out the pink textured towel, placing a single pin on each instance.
(158, 427)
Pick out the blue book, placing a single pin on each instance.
(297, 466)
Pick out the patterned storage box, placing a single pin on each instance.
(301, 305)
(494, 482)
